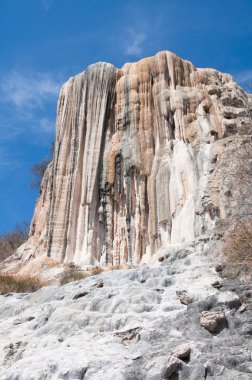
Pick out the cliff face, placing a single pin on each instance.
(136, 161)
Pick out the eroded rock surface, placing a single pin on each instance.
(136, 162)
(141, 332)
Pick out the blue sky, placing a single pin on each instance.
(44, 42)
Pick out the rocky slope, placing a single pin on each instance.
(140, 157)
(167, 321)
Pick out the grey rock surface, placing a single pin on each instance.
(141, 331)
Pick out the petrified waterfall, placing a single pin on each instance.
(135, 161)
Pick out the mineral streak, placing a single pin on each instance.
(135, 161)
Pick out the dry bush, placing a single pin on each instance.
(39, 168)
(115, 267)
(11, 284)
(95, 270)
(10, 241)
(71, 274)
(238, 180)
(238, 246)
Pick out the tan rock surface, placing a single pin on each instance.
(212, 320)
(135, 161)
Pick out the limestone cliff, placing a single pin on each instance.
(136, 160)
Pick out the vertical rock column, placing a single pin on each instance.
(83, 124)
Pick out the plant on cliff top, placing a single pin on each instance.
(39, 168)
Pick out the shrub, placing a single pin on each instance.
(11, 284)
(73, 273)
(238, 246)
(39, 168)
(70, 275)
(95, 270)
(10, 241)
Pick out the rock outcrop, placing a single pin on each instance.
(133, 327)
(137, 160)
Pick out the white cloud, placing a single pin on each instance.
(135, 42)
(28, 101)
(28, 89)
(47, 4)
(244, 77)
(46, 125)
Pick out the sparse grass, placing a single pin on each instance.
(71, 274)
(115, 267)
(11, 284)
(95, 270)
(238, 247)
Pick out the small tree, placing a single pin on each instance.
(38, 169)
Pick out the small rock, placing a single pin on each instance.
(129, 336)
(212, 320)
(59, 298)
(160, 259)
(100, 285)
(229, 299)
(17, 321)
(217, 285)
(219, 268)
(159, 290)
(30, 319)
(109, 295)
(182, 352)
(243, 308)
(173, 365)
(79, 295)
(183, 297)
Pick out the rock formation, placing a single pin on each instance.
(134, 327)
(136, 161)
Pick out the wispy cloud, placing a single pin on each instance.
(135, 39)
(139, 34)
(28, 89)
(244, 77)
(27, 101)
(47, 4)
(135, 33)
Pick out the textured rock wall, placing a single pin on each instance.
(135, 162)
